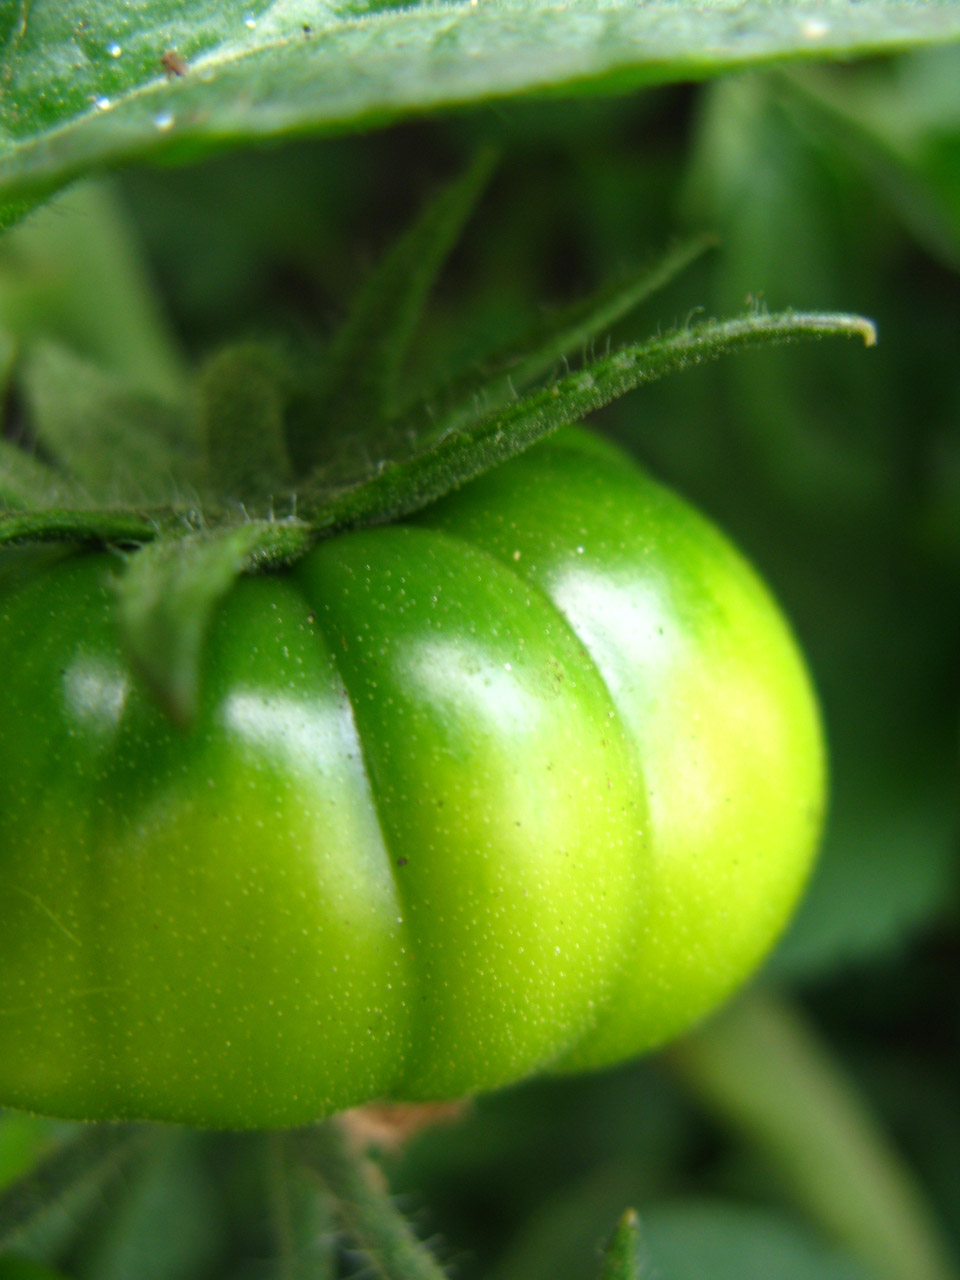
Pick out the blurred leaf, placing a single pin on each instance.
(161, 1224)
(13, 1268)
(45, 1208)
(795, 225)
(304, 1229)
(23, 1141)
(172, 79)
(117, 442)
(896, 174)
(763, 1072)
(73, 273)
(888, 866)
(691, 1241)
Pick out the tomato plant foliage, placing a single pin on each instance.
(530, 780)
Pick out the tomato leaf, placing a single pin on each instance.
(108, 82)
(623, 1259)
(170, 589)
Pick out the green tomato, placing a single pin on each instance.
(528, 782)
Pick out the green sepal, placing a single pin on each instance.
(623, 1259)
(357, 381)
(459, 456)
(243, 396)
(26, 482)
(170, 589)
(118, 443)
(510, 370)
(86, 527)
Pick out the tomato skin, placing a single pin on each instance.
(528, 782)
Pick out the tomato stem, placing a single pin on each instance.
(365, 1206)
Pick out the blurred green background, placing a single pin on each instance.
(836, 469)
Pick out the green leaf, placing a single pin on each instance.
(623, 1259)
(119, 444)
(47, 1204)
(170, 589)
(79, 94)
(761, 1070)
(888, 866)
(14, 1268)
(459, 455)
(357, 383)
(717, 1241)
(8, 357)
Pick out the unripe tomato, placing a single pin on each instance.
(530, 781)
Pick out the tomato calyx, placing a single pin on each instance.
(268, 452)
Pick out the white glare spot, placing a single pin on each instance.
(114, 50)
(250, 22)
(579, 551)
(815, 28)
(102, 104)
(306, 736)
(95, 692)
(164, 121)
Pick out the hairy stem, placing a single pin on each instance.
(366, 1208)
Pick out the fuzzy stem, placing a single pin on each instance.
(366, 1208)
